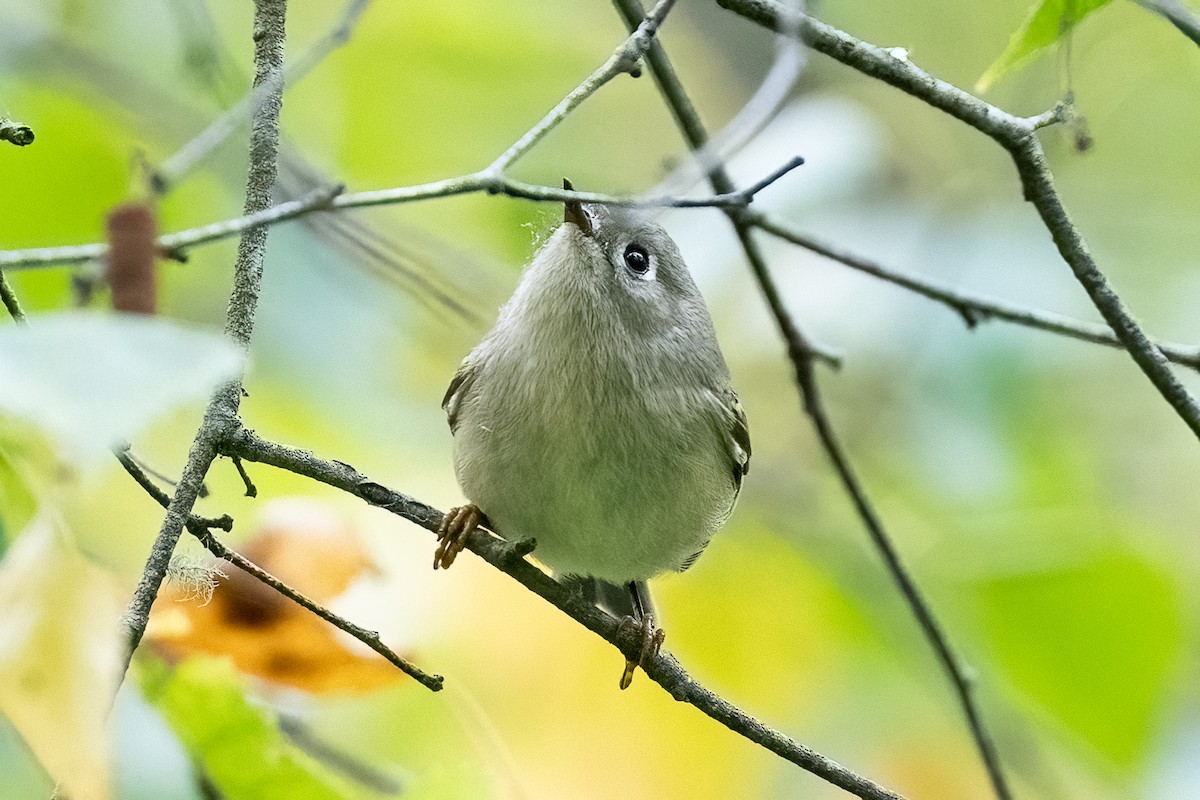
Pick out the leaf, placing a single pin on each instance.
(236, 741)
(1048, 21)
(309, 546)
(91, 381)
(1093, 642)
(17, 504)
(61, 652)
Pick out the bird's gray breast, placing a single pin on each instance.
(599, 451)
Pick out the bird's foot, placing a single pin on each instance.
(652, 638)
(456, 528)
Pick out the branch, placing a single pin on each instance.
(369, 638)
(885, 65)
(973, 308)
(9, 298)
(491, 179)
(663, 669)
(222, 409)
(1017, 136)
(138, 473)
(188, 157)
(1179, 15)
(331, 198)
(202, 528)
(1039, 190)
(801, 356)
(624, 59)
(251, 489)
(15, 132)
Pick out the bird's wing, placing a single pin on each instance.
(735, 433)
(739, 434)
(457, 391)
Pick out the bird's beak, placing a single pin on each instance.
(573, 212)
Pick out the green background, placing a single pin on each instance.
(1042, 493)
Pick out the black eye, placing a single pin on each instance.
(637, 259)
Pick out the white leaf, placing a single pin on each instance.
(93, 380)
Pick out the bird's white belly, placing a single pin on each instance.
(609, 485)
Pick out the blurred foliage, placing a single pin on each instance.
(235, 742)
(1041, 492)
(1048, 22)
(264, 633)
(60, 648)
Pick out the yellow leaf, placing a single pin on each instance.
(60, 655)
(311, 547)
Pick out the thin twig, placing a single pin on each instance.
(624, 59)
(1017, 135)
(251, 489)
(800, 353)
(9, 298)
(193, 153)
(331, 197)
(369, 638)
(755, 114)
(355, 766)
(973, 308)
(202, 527)
(140, 476)
(222, 409)
(1060, 113)
(161, 477)
(663, 669)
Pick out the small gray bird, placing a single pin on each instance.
(596, 417)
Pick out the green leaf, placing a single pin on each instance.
(1093, 641)
(17, 503)
(1048, 21)
(91, 380)
(236, 741)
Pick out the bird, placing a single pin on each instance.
(596, 418)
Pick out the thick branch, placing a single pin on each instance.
(663, 669)
(1039, 190)
(1015, 134)
(203, 451)
(801, 356)
(884, 65)
(222, 409)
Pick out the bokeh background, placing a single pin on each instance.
(1043, 494)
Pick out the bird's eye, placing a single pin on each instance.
(637, 259)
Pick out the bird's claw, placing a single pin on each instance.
(456, 528)
(652, 638)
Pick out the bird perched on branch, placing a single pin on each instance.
(596, 417)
